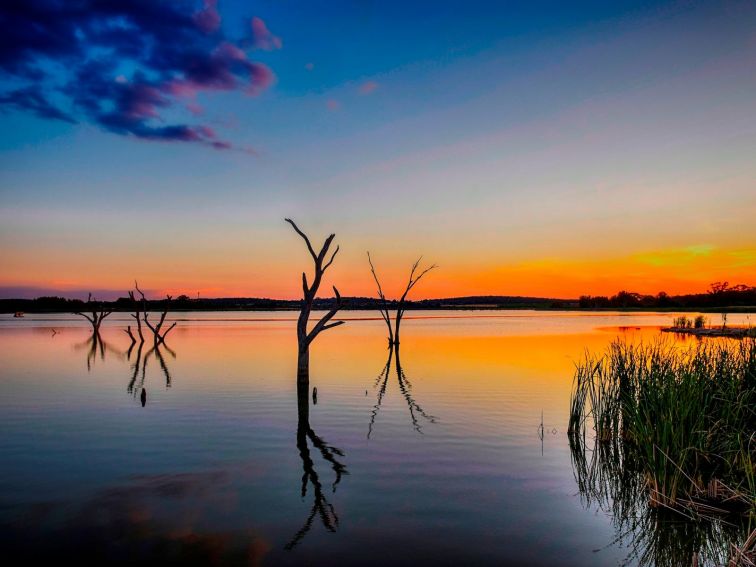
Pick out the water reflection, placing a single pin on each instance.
(503, 503)
(321, 507)
(405, 387)
(96, 347)
(139, 367)
(610, 480)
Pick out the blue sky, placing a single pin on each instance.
(484, 134)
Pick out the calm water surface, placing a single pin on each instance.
(437, 460)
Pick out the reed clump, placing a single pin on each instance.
(682, 322)
(684, 417)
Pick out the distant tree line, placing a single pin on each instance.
(720, 294)
(186, 303)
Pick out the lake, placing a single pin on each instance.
(442, 459)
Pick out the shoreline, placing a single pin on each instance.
(729, 332)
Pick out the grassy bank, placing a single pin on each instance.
(661, 429)
(688, 415)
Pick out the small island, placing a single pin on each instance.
(697, 327)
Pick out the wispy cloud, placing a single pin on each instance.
(678, 257)
(262, 38)
(368, 87)
(69, 60)
(332, 104)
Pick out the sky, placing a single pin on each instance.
(526, 148)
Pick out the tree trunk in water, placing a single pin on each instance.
(303, 408)
(303, 368)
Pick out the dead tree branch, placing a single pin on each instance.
(414, 277)
(158, 335)
(384, 304)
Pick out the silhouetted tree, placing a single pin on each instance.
(626, 299)
(414, 277)
(98, 314)
(137, 317)
(719, 287)
(662, 299)
(305, 338)
(158, 334)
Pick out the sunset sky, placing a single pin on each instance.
(527, 148)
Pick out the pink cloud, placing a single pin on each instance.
(309, 66)
(229, 51)
(262, 38)
(260, 78)
(368, 87)
(333, 104)
(208, 19)
(221, 74)
(194, 107)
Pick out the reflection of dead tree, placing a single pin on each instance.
(310, 291)
(161, 360)
(96, 346)
(321, 507)
(158, 335)
(135, 367)
(414, 277)
(139, 366)
(405, 387)
(98, 314)
(383, 381)
(414, 408)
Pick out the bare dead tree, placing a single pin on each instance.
(98, 314)
(415, 276)
(158, 335)
(384, 304)
(137, 317)
(412, 282)
(305, 338)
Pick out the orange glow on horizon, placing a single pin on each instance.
(675, 271)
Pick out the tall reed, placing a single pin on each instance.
(663, 438)
(687, 416)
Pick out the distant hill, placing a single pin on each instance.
(720, 296)
(184, 303)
